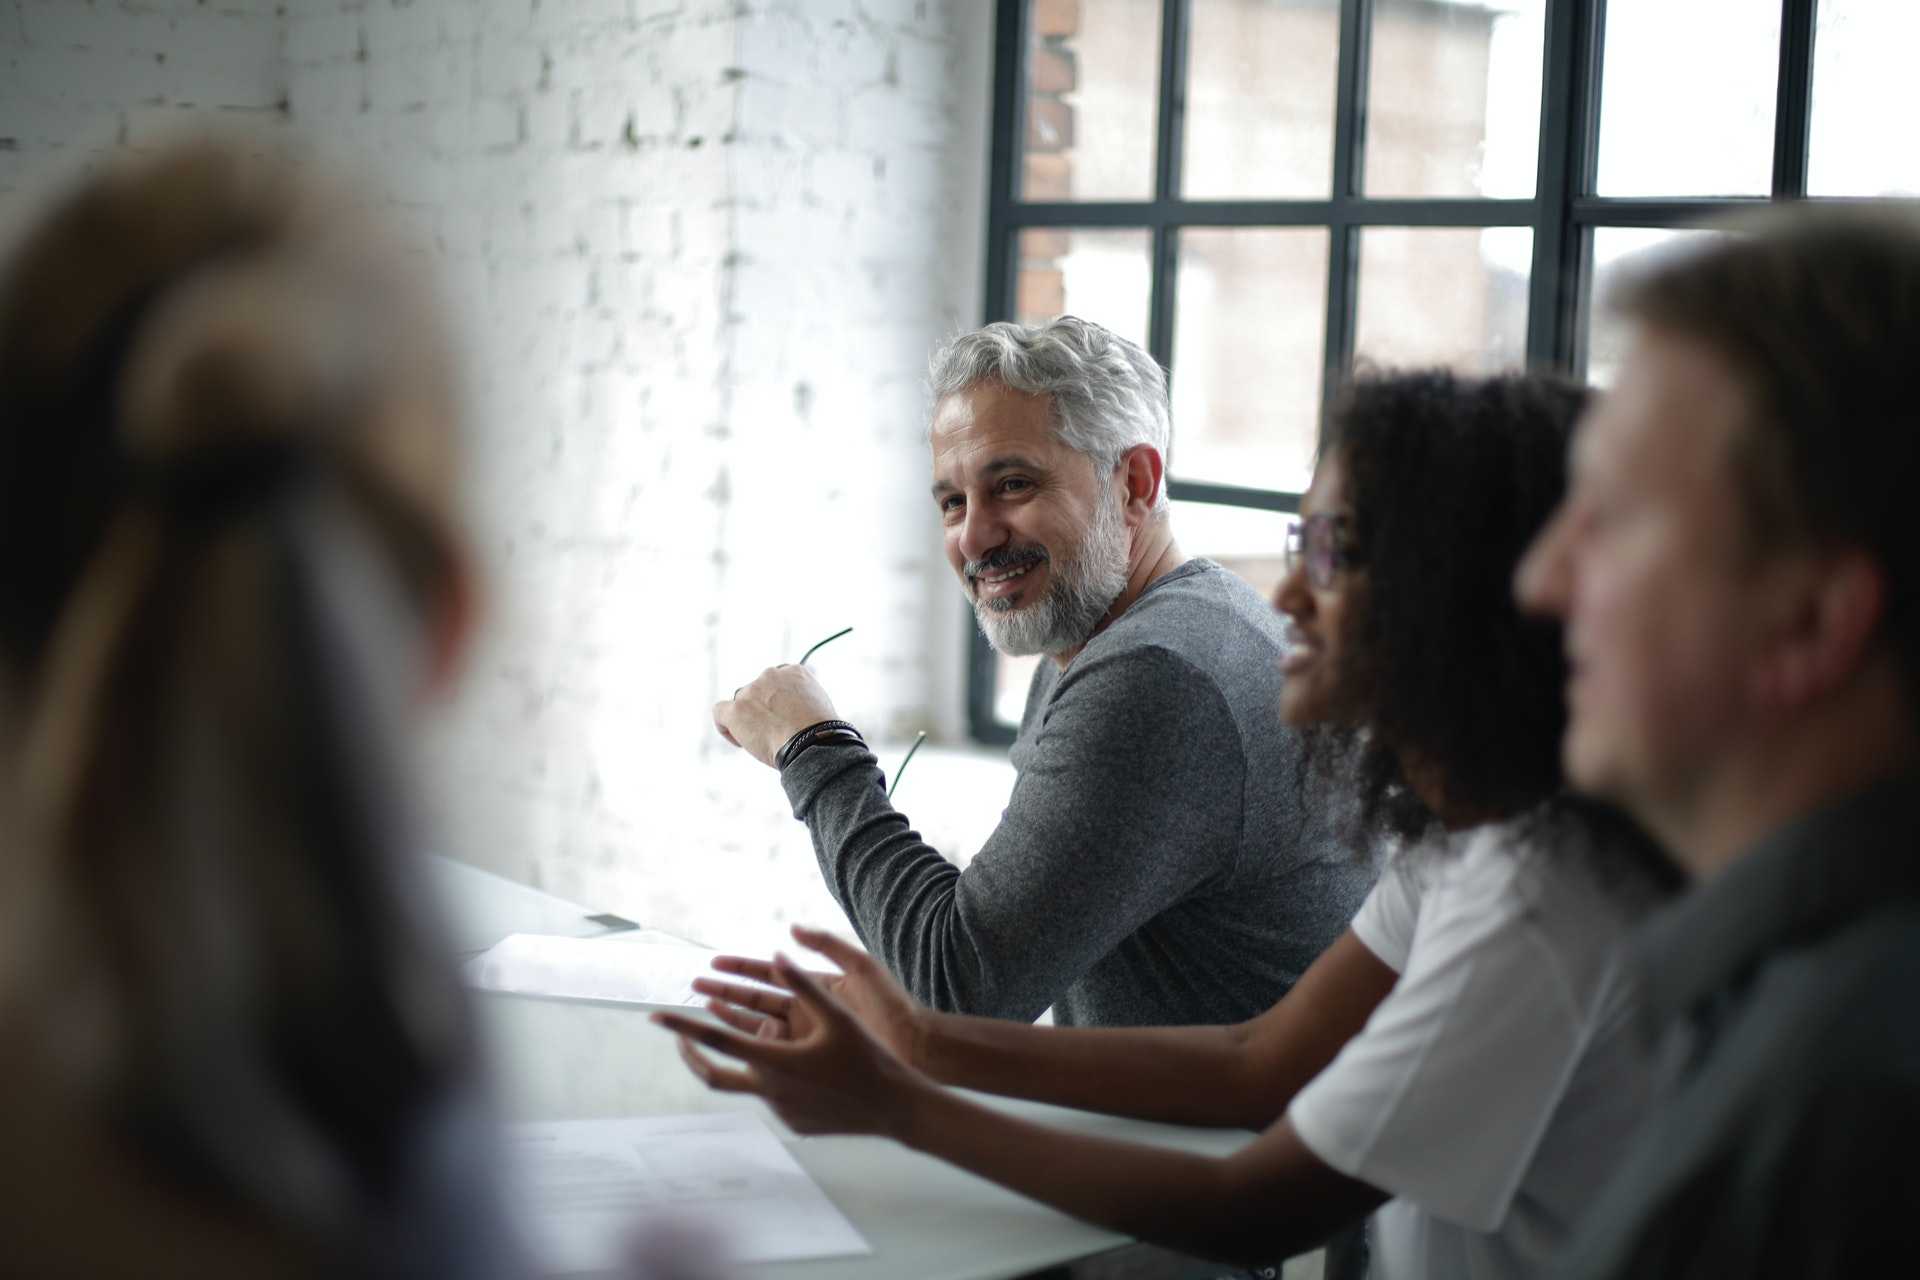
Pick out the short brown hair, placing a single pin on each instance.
(1817, 312)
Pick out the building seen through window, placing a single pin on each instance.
(1266, 193)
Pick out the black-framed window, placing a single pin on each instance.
(1262, 191)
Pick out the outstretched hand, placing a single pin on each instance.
(865, 989)
(828, 1076)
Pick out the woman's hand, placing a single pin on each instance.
(862, 987)
(826, 1075)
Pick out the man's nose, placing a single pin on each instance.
(981, 531)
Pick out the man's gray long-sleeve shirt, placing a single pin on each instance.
(1156, 864)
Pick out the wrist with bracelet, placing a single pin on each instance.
(813, 735)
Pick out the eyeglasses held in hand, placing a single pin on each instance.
(821, 645)
(917, 740)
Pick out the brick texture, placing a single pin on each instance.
(697, 251)
(80, 79)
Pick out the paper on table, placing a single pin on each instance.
(616, 968)
(588, 1184)
(479, 908)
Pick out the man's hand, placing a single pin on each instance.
(866, 990)
(761, 716)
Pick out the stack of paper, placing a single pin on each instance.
(590, 1187)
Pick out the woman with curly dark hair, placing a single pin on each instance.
(1448, 479)
(1461, 1058)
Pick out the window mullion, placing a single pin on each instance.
(1233, 495)
(1009, 124)
(1175, 18)
(1349, 159)
(1569, 146)
(1009, 60)
(1794, 107)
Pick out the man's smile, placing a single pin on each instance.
(1002, 575)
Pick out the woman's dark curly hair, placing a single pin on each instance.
(1448, 479)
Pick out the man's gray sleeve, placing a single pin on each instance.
(1134, 797)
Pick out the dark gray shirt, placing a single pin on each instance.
(1155, 865)
(1786, 990)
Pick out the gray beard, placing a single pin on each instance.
(1080, 590)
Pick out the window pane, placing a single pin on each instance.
(1093, 76)
(1247, 354)
(1260, 90)
(1687, 96)
(1250, 542)
(1862, 99)
(1103, 276)
(1614, 249)
(1011, 678)
(1453, 98)
(1452, 296)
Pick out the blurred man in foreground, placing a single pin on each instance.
(1736, 567)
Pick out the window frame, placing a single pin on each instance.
(1563, 212)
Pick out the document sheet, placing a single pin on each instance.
(631, 968)
(590, 1187)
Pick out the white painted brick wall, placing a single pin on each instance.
(707, 248)
(698, 251)
(80, 79)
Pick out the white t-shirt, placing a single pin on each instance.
(1494, 1088)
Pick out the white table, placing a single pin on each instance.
(569, 1059)
(564, 1060)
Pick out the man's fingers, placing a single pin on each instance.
(711, 1073)
(832, 946)
(720, 724)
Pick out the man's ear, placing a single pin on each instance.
(1143, 471)
(1832, 607)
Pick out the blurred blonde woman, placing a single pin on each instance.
(229, 572)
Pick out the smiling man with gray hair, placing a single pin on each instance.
(1155, 864)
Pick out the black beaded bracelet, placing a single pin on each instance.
(847, 737)
(815, 733)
